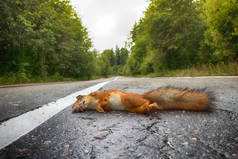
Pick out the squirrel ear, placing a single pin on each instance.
(79, 97)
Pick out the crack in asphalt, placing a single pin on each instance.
(109, 131)
(92, 152)
(212, 149)
(233, 115)
(166, 142)
(148, 128)
(87, 118)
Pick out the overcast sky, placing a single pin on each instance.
(109, 22)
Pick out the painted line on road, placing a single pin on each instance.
(14, 128)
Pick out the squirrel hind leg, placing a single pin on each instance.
(155, 106)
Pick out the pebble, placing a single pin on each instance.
(194, 139)
(185, 143)
(22, 149)
(47, 142)
(131, 150)
(98, 137)
(227, 155)
(233, 117)
(65, 145)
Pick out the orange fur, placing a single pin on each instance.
(160, 99)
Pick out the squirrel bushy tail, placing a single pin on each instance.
(182, 99)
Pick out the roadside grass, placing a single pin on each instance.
(6, 80)
(220, 69)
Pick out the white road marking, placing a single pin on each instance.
(14, 128)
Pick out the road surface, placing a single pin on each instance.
(165, 134)
(19, 99)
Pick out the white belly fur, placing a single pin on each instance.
(115, 102)
(92, 105)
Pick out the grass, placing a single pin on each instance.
(5, 80)
(221, 69)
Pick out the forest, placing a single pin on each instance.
(45, 40)
(185, 35)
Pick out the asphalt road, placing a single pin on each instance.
(165, 134)
(18, 99)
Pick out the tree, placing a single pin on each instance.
(43, 38)
(112, 62)
(168, 37)
(221, 17)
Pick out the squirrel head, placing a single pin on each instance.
(81, 104)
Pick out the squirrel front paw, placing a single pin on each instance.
(100, 110)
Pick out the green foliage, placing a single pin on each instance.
(43, 38)
(111, 62)
(45, 41)
(180, 34)
(167, 37)
(221, 17)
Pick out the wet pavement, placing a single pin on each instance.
(165, 134)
